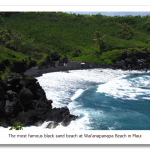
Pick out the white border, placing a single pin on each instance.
(76, 8)
(4, 136)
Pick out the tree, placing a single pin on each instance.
(99, 40)
(126, 32)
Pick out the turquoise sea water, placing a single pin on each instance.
(107, 112)
(103, 99)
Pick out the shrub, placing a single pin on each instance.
(111, 57)
(17, 126)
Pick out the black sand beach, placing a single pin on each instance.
(71, 65)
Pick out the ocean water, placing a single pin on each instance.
(104, 99)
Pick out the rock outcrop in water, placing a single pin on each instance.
(23, 99)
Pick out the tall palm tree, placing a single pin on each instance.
(98, 39)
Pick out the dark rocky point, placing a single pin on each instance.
(138, 61)
(23, 99)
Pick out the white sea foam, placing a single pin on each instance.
(147, 98)
(126, 89)
(60, 87)
(77, 94)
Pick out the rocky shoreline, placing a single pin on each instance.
(136, 61)
(23, 99)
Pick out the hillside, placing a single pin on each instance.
(35, 34)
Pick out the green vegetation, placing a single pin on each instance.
(99, 40)
(126, 32)
(28, 77)
(17, 126)
(34, 34)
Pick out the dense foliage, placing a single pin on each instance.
(35, 34)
